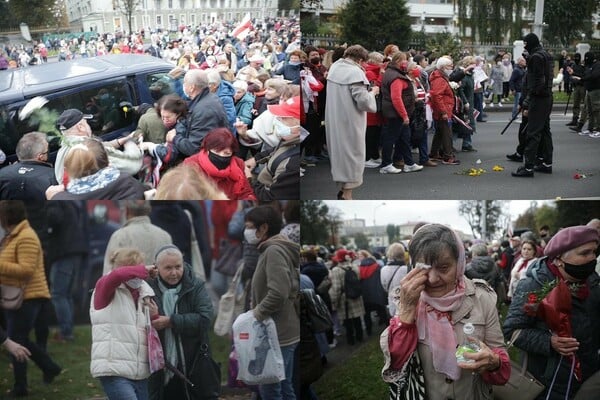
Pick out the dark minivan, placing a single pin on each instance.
(106, 87)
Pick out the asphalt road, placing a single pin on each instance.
(572, 154)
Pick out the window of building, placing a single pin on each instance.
(170, 4)
(159, 21)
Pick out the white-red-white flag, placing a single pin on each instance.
(243, 28)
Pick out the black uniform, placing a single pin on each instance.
(26, 180)
(539, 103)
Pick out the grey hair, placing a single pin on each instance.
(30, 145)
(197, 77)
(430, 241)
(479, 250)
(375, 57)
(138, 208)
(168, 250)
(214, 77)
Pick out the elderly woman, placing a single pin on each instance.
(433, 303)
(347, 104)
(570, 258)
(22, 264)
(185, 313)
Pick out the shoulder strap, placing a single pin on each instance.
(275, 164)
(391, 280)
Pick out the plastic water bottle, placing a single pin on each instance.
(467, 346)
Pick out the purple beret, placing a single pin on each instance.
(570, 238)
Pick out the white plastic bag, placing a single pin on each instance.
(259, 355)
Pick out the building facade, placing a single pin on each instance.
(107, 16)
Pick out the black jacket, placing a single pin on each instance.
(280, 179)
(591, 78)
(26, 180)
(67, 229)
(171, 217)
(483, 267)
(535, 335)
(539, 73)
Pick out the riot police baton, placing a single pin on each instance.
(510, 122)
(568, 100)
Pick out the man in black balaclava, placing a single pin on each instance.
(576, 71)
(539, 103)
(591, 81)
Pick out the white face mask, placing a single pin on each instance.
(135, 283)
(447, 72)
(280, 129)
(250, 236)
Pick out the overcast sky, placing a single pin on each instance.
(400, 211)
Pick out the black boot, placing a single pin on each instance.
(573, 122)
(577, 128)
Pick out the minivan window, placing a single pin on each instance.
(159, 84)
(104, 102)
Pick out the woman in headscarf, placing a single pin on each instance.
(433, 303)
(570, 259)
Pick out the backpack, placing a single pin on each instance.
(351, 284)
(317, 313)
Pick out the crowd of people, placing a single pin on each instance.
(149, 277)
(225, 125)
(426, 289)
(375, 109)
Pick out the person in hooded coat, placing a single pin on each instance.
(347, 104)
(374, 296)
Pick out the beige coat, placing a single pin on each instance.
(479, 308)
(346, 121)
(356, 307)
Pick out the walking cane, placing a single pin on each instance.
(510, 122)
(178, 373)
(568, 100)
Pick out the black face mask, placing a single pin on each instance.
(315, 60)
(219, 161)
(580, 272)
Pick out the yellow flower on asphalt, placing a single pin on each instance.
(497, 168)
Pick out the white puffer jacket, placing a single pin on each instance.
(119, 341)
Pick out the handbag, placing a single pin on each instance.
(231, 304)
(230, 254)
(197, 263)
(11, 297)
(521, 384)
(206, 374)
(156, 357)
(411, 383)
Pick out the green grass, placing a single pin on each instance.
(358, 378)
(76, 383)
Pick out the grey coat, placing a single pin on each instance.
(347, 104)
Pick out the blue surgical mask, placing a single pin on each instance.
(281, 129)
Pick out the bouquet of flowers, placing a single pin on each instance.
(552, 304)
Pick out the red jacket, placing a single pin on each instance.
(231, 180)
(441, 95)
(374, 75)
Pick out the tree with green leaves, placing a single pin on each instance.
(314, 224)
(361, 240)
(570, 212)
(128, 8)
(390, 229)
(32, 12)
(375, 24)
(567, 19)
(486, 218)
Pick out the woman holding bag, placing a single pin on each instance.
(434, 302)
(22, 265)
(119, 338)
(185, 316)
(570, 259)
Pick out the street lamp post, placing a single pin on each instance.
(374, 211)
